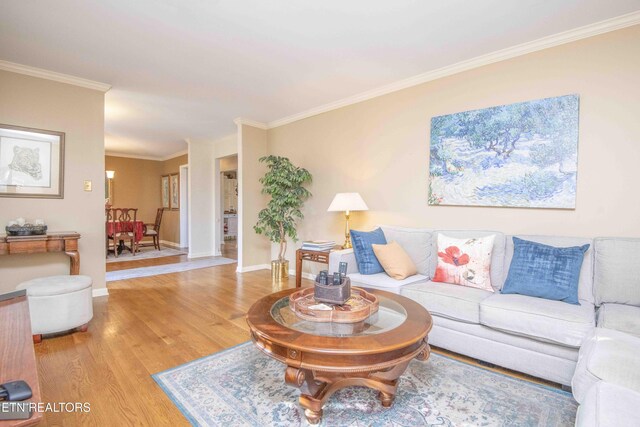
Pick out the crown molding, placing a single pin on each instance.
(176, 154)
(242, 121)
(569, 36)
(139, 157)
(52, 75)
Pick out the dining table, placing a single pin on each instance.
(126, 226)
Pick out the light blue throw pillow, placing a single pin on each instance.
(545, 271)
(365, 258)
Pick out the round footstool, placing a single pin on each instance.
(58, 303)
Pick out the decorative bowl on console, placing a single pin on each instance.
(25, 230)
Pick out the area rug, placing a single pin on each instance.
(133, 273)
(144, 254)
(243, 387)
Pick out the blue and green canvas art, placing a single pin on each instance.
(517, 155)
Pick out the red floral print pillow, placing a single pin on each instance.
(465, 262)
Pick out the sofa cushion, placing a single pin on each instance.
(365, 258)
(616, 275)
(544, 271)
(415, 241)
(395, 260)
(624, 318)
(446, 300)
(537, 318)
(383, 281)
(609, 405)
(610, 356)
(585, 282)
(465, 262)
(497, 255)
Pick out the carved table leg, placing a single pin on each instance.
(386, 399)
(313, 417)
(74, 257)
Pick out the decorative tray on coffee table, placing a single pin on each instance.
(359, 307)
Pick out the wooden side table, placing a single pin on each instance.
(321, 257)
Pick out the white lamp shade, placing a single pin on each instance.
(110, 174)
(347, 202)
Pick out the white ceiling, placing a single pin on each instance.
(186, 68)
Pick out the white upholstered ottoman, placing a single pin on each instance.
(58, 303)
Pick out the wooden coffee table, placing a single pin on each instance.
(322, 358)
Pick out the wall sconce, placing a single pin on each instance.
(108, 189)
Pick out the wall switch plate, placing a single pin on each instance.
(87, 185)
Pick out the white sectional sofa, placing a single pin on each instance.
(607, 377)
(548, 339)
(531, 335)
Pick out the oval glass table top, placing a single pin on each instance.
(390, 315)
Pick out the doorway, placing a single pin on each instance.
(229, 206)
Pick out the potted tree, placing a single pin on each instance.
(284, 182)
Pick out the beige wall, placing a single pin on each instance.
(170, 229)
(380, 147)
(79, 112)
(253, 249)
(229, 163)
(137, 184)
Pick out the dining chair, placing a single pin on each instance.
(153, 231)
(123, 228)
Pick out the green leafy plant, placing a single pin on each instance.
(284, 182)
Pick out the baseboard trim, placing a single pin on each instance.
(170, 244)
(253, 268)
(200, 255)
(100, 292)
(303, 275)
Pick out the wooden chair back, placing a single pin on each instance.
(126, 217)
(156, 224)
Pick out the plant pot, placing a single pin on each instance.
(279, 270)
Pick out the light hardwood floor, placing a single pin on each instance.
(144, 326)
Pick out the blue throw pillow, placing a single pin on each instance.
(545, 271)
(365, 258)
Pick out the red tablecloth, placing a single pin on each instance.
(125, 227)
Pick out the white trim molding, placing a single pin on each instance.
(100, 292)
(154, 158)
(569, 36)
(52, 75)
(200, 255)
(303, 275)
(253, 268)
(171, 244)
(242, 121)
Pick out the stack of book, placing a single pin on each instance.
(318, 245)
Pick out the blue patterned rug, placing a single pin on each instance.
(241, 386)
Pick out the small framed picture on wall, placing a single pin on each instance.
(31, 162)
(174, 184)
(164, 187)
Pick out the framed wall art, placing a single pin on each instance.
(174, 183)
(518, 155)
(31, 162)
(164, 188)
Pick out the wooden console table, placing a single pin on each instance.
(16, 352)
(61, 241)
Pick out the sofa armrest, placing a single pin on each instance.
(343, 255)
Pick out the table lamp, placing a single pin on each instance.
(347, 202)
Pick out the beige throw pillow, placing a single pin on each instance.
(395, 261)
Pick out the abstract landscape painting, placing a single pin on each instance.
(517, 155)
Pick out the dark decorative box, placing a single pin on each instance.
(333, 294)
(26, 230)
